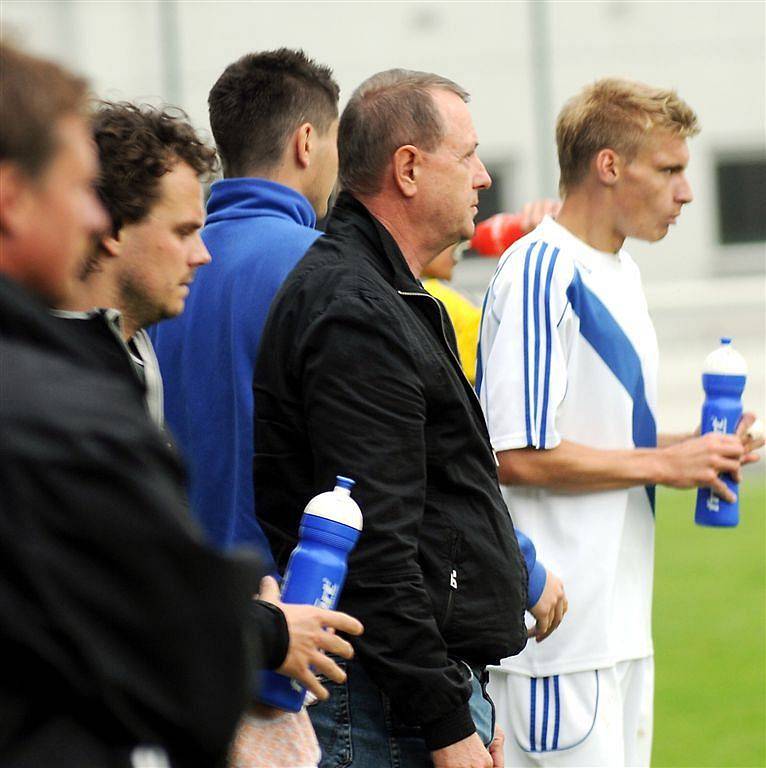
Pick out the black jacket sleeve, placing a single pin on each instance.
(113, 615)
(365, 410)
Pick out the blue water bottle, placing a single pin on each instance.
(329, 529)
(723, 379)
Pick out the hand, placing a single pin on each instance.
(751, 440)
(533, 213)
(312, 633)
(496, 748)
(466, 753)
(549, 610)
(697, 462)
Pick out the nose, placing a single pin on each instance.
(482, 180)
(199, 254)
(684, 191)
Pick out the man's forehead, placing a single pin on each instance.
(75, 142)
(665, 146)
(180, 187)
(458, 122)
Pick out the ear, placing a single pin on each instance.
(303, 142)
(15, 198)
(111, 245)
(406, 167)
(608, 166)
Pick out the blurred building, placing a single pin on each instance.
(520, 61)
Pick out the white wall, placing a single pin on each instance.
(712, 52)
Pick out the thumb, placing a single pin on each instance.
(269, 590)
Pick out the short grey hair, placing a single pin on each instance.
(388, 111)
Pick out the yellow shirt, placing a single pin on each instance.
(466, 319)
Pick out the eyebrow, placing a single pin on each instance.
(190, 225)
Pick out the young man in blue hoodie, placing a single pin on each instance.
(274, 116)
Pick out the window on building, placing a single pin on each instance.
(741, 187)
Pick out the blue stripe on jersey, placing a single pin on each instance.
(532, 707)
(479, 366)
(544, 735)
(603, 333)
(557, 709)
(546, 377)
(526, 344)
(536, 311)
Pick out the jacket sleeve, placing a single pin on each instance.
(365, 409)
(110, 598)
(535, 569)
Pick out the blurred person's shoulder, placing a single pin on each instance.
(55, 406)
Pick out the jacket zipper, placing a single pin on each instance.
(453, 356)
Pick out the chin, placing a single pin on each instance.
(468, 230)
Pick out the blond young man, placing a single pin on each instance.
(567, 380)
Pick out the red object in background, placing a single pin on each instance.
(495, 234)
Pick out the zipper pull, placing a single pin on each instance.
(453, 578)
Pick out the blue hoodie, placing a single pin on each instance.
(256, 232)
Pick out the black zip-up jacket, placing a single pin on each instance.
(117, 625)
(358, 375)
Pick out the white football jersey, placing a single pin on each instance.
(568, 351)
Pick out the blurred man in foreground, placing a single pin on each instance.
(568, 381)
(125, 640)
(151, 164)
(358, 374)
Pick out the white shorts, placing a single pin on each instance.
(597, 718)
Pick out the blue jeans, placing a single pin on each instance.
(357, 727)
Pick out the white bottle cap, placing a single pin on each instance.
(337, 505)
(725, 361)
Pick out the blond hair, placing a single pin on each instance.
(617, 114)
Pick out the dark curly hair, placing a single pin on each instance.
(260, 99)
(137, 145)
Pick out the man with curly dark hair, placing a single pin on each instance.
(152, 163)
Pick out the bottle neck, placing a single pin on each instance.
(328, 532)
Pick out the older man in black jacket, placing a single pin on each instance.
(359, 375)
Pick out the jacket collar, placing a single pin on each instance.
(25, 318)
(348, 215)
(252, 198)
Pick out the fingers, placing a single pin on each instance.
(730, 466)
(326, 666)
(721, 489)
(341, 622)
(533, 213)
(726, 445)
(561, 609)
(496, 748)
(269, 590)
(309, 681)
(744, 424)
(334, 644)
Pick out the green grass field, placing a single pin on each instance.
(710, 634)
